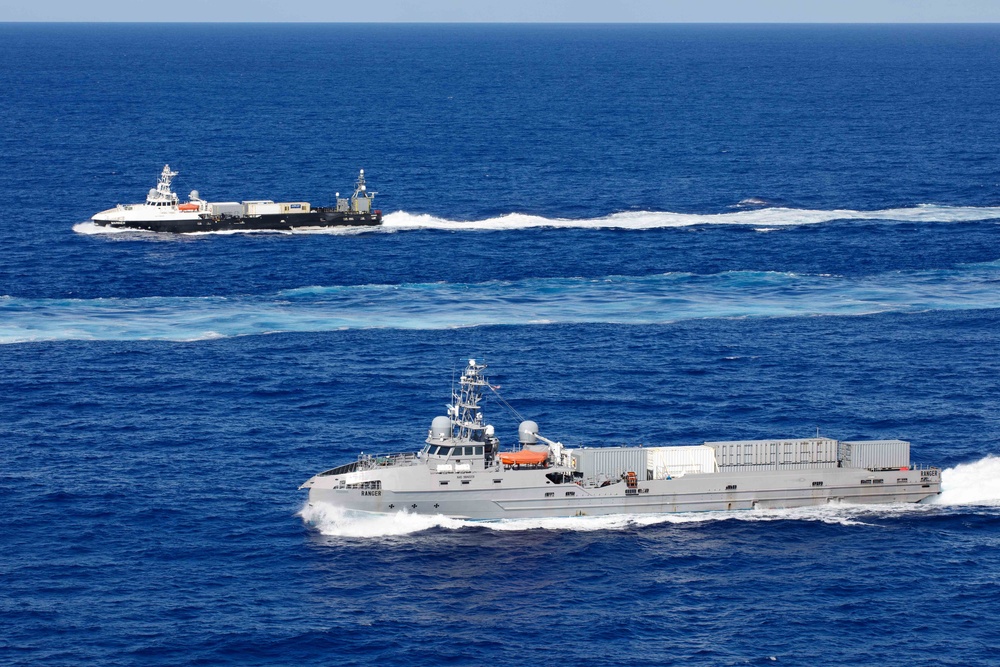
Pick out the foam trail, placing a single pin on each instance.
(89, 228)
(337, 522)
(637, 300)
(758, 217)
(976, 483)
(764, 217)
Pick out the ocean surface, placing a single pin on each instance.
(652, 234)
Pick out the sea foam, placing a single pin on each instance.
(337, 522)
(976, 483)
(640, 300)
(760, 217)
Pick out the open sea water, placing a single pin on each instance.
(652, 234)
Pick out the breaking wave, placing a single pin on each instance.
(976, 483)
(654, 299)
(753, 212)
(968, 485)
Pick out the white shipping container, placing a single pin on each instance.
(262, 207)
(294, 207)
(676, 461)
(875, 454)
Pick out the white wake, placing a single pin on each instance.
(764, 217)
(976, 483)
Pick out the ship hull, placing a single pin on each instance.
(319, 217)
(693, 493)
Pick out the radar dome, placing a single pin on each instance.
(527, 433)
(194, 195)
(441, 428)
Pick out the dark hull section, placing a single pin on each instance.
(319, 217)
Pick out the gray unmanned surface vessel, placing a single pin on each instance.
(462, 473)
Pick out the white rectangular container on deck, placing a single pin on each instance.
(875, 454)
(664, 462)
(262, 207)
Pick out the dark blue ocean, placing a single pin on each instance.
(652, 234)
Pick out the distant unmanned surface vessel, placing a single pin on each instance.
(163, 212)
(461, 472)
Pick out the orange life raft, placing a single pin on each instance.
(523, 457)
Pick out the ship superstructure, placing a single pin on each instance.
(462, 472)
(164, 212)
